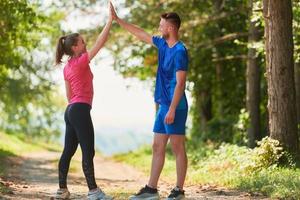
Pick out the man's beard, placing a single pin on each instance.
(166, 36)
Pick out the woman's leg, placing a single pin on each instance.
(70, 147)
(82, 122)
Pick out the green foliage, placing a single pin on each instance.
(296, 30)
(240, 128)
(26, 86)
(279, 183)
(197, 150)
(266, 155)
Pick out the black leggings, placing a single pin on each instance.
(79, 129)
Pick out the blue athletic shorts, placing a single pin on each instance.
(176, 128)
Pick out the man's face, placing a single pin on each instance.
(164, 28)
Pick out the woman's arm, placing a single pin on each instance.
(102, 38)
(68, 90)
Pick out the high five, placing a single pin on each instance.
(170, 119)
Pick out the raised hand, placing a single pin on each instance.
(135, 30)
(112, 11)
(110, 16)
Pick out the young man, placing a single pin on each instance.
(169, 94)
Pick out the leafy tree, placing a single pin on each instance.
(27, 103)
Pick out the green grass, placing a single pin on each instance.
(141, 159)
(3, 189)
(230, 166)
(18, 145)
(281, 183)
(120, 194)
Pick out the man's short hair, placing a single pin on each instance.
(173, 18)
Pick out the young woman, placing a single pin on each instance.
(79, 90)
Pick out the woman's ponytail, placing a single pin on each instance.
(60, 49)
(64, 46)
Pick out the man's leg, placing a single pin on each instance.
(178, 148)
(158, 158)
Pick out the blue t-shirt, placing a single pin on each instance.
(170, 60)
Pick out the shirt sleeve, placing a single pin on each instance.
(158, 41)
(181, 61)
(83, 60)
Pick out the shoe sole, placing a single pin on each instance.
(147, 198)
(103, 198)
(178, 198)
(61, 198)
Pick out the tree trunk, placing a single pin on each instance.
(218, 88)
(280, 73)
(253, 85)
(206, 108)
(218, 6)
(203, 108)
(297, 84)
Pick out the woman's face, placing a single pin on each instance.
(80, 47)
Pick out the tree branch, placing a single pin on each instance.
(224, 38)
(227, 58)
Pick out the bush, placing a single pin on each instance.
(267, 154)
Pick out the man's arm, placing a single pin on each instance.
(178, 92)
(135, 30)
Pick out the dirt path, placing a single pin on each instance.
(35, 177)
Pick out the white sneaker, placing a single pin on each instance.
(98, 194)
(62, 193)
